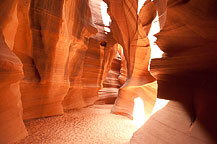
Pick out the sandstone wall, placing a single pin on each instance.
(51, 39)
(185, 75)
(130, 30)
(112, 83)
(55, 55)
(49, 59)
(188, 67)
(12, 127)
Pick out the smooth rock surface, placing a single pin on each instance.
(111, 84)
(12, 128)
(55, 55)
(186, 72)
(132, 34)
(171, 124)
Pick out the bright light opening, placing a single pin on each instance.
(156, 52)
(140, 5)
(138, 112)
(159, 104)
(139, 117)
(105, 17)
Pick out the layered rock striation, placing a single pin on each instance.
(130, 30)
(50, 60)
(188, 66)
(185, 76)
(57, 55)
(12, 127)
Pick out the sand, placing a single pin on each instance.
(91, 125)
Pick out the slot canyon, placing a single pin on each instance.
(108, 71)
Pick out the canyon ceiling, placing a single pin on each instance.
(59, 54)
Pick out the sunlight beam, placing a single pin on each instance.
(156, 52)
(140, 5)
(159, 104)
(139, 117)
(105, 17)
(138, 112)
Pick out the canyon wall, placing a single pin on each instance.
(130, 30)
(112, 83)
(186, 76)
(11, 123)
(55, 55)
(45, 43)
(49, 59)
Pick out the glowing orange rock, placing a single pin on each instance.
(12, 127)
(131, 33)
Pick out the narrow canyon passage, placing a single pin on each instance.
(108, 71)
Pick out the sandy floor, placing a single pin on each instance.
(92, 125)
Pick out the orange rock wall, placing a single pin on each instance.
(131, 32)
(55, 55)
(112, 83)
(49, 59)
(188, 66)
(12, 127)
(88, 75)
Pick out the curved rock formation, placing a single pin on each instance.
(111, 84)
(12, 127)
(55, 55)
(90, 65)
(45, 33)
(132, 33)
(185, 75)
